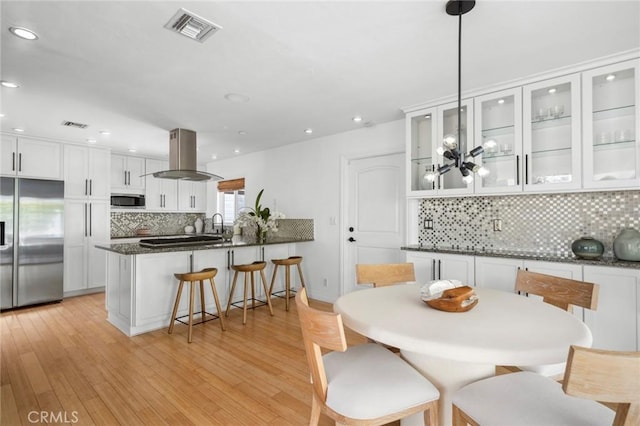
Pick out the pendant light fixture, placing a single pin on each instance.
(452, 147)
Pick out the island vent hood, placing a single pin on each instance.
(183, 162)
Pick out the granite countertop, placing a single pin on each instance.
(135, 248)
(546, 257)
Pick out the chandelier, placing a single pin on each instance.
(452, 147)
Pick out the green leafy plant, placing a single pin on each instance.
(260, 218)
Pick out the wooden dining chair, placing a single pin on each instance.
(385, 273)
(363, 384)
(592, 377)
(563, 293)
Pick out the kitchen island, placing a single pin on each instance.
(141, 287)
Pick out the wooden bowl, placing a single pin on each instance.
(452, 300)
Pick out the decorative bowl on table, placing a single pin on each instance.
(449, 296)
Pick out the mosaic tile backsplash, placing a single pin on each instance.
(536, 223)
(125, 224)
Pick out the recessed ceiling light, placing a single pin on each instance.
(214, 157)
(552, 90)
(9, 84)
(237, 151)
(500, 101)
(1, 115)
(91, 140)
(242, 133)
(236, 97)
(357, 119)
(105, 132)
(308, 131)
(24, 33)
(611, 77)
(17, 129)
(132, 150)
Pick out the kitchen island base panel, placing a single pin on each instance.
(448, 376)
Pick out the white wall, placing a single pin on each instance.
(304, 180)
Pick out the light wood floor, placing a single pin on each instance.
(66, 359)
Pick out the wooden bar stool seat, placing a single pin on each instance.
(288, 291)
(191, 278)
(249, 270)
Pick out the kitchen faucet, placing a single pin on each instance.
(213, 224)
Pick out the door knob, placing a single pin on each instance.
(351, 229)
(351, 239)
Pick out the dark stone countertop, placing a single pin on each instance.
(546, 257)
(135, 248)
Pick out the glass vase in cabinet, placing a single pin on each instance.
(551, 134)
(611, 126)
(498, 127)
(451, 183)
(421, 134)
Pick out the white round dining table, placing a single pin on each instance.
(453, 349)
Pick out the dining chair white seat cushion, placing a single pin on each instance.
(368, 381)
(547, 370)
(527, 399)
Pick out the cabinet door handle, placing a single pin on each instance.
(86, 185)
(228, 259)
(90, 186)
(85, 219)
(439, 269)
(517, 170)
(13, 161)
(20, 162)
(90, 221)
(433, 269)
(526, 169)
(125, 177)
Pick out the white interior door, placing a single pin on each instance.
(374, 213)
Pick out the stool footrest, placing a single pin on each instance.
(292, 293)
(200, 319)
(239, 304)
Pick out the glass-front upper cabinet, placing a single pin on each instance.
(611, 126)
(451, 182)
(498, 127)
(551, 134)
(421, 133)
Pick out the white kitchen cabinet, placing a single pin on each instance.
(120, 279)
(430, 266)
(86, 224)
(30, 158)
(500, 273)
(192, 196)
(615, 323)
(127, 174)
(611, 97)
(498, 127)
(426, 130)
(86, 172)
(551, 134)
(161, 194)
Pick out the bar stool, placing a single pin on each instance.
(287, 263)
(249, 270)
(191, 278)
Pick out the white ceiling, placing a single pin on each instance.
(112, 64)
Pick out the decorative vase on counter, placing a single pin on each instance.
(261, 235)
(587, 248)
(198, 224)
(626, 246)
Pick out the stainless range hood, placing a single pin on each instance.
(183, 160)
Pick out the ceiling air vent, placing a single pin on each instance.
(191, 25)
(74, 124)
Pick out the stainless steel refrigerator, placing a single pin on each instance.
(31, 241)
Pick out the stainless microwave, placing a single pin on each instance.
(127, 201)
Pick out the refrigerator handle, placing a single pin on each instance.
(1, 233)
